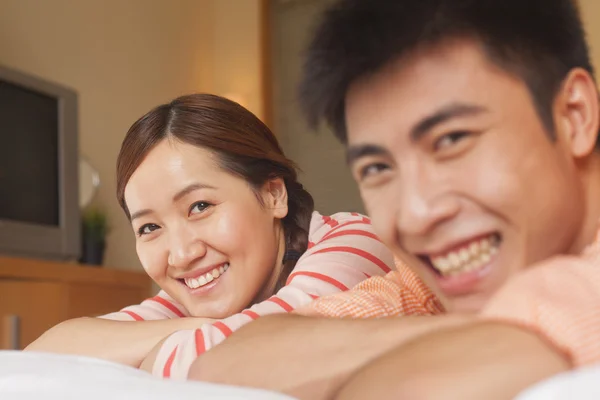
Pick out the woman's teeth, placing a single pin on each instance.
(194, 283)
(468, 258)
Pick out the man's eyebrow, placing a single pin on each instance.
(355, 152)
(444, 114)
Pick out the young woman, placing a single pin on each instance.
(225, 229)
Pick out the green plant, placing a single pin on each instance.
(95, 224)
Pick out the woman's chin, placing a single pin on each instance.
(219, 308)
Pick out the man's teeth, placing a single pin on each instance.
(469, 258)
(207, 278)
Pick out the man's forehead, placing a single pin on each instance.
(405, 92)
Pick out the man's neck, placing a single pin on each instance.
(591, 182)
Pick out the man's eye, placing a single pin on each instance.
(371, 170)
(449, 139)
(198, 207)
(146, 229)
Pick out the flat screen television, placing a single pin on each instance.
(39, 168)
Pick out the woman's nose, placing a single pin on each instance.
(186, 247)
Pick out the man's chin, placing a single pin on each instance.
(467, 304)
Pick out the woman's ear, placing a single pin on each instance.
(578, 113)
(276, 197)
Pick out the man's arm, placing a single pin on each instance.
(309, 358)
(487, 360)
(559, 299)
(126, 342)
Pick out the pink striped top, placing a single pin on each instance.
(343, 250)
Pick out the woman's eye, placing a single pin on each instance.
(199, 207)
(449, 139)
(146, 229)
(372, 169)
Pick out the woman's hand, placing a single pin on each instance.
(125, 342)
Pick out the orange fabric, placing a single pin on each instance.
(400, 292)
(559, 299)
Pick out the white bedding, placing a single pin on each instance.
(45, 376)
(41, 376)
(583, 384)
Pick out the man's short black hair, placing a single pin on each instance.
(539, 41)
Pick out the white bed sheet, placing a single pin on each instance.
(46, 376)
(583, 384)
(41, 376)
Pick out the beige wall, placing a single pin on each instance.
(124, 57)
(237, 52)
(320, 156)
(590, 11)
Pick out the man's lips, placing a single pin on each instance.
(465, 256)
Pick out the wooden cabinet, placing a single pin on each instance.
(36, 295)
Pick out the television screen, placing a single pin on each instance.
(29, 146)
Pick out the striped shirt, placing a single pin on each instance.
(559, 299)
(342, 251)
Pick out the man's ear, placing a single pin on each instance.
(276, 197)
(577, 122)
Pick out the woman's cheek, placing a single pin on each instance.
(151, 261)
(228, 233)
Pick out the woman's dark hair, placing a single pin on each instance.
(244, 147)
(538, 41)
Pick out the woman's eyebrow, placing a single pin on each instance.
(190, 188)
(178, 196)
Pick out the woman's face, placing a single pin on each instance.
(201, 233)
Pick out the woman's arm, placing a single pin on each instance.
(126, 342)
(126, 336)
(343, 251)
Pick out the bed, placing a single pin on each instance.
(41, 376)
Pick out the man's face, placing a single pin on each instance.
(458, 173)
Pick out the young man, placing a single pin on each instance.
(472, 131)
